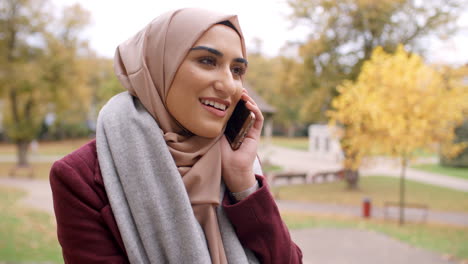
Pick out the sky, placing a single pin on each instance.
(114, 21)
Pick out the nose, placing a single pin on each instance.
(225, 85)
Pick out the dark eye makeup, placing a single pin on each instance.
(237, 69)
(207, 60)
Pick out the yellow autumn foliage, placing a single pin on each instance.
(397, 105)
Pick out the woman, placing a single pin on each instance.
(161, 184)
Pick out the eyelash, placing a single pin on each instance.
(236, 69)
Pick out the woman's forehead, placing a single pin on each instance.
(221, 37)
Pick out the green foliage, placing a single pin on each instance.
(103, 81)
(397, 115)
(344, 33)
(36, 79)
(278, 81)
(461, 159)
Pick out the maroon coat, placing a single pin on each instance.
(88, 232)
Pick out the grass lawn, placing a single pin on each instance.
(437, 168)
(48, 148)
(26, 235)
(439, 238)
(379, 189)
(300, 143)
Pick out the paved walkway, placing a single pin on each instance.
(39, 194)
(303, 161)
(352, 246)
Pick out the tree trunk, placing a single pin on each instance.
(404, 163)
(352, 178)
(22, 163)
(22, 147)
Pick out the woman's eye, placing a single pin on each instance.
(207, 61)
(238, 70)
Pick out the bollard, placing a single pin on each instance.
(366, 207)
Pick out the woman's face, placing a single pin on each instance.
(208, 83)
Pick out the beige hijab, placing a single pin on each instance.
(157, 51)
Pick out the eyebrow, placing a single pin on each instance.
(218, 53)
(214, 51)
(241, 60)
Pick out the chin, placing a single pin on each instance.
(209, 132)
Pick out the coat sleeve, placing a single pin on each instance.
(259, 227)
(86, 228)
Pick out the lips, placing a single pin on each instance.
(215, 106)
(219, 106)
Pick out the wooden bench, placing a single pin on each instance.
(326, 175)
(288, 175)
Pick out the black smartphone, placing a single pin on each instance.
(239, 124)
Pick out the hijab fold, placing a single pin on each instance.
(146, 65)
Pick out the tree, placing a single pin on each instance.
(278, 76)
(461, 159)
(344, 33)
(397, 105)
(103, 81)
(66, 69)
(39, 70)
(455, 77)
(20, 20)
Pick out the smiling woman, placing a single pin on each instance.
(213, 69)
(161, 184)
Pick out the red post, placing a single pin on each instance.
(366, 207)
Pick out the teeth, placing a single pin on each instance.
(214, 104)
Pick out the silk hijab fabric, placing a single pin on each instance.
(146, 65)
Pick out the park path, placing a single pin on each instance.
(39, 194)
(354, 246)
(303, 161)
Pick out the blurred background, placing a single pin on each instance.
(365, 143)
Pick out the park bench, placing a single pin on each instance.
(328, 175)
(274, 176)
(307, 177)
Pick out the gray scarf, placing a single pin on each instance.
(146, 192)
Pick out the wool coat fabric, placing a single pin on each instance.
(88, 232)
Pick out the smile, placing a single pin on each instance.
(215, 106)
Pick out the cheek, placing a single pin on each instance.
(235, 100)
(194, 74)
